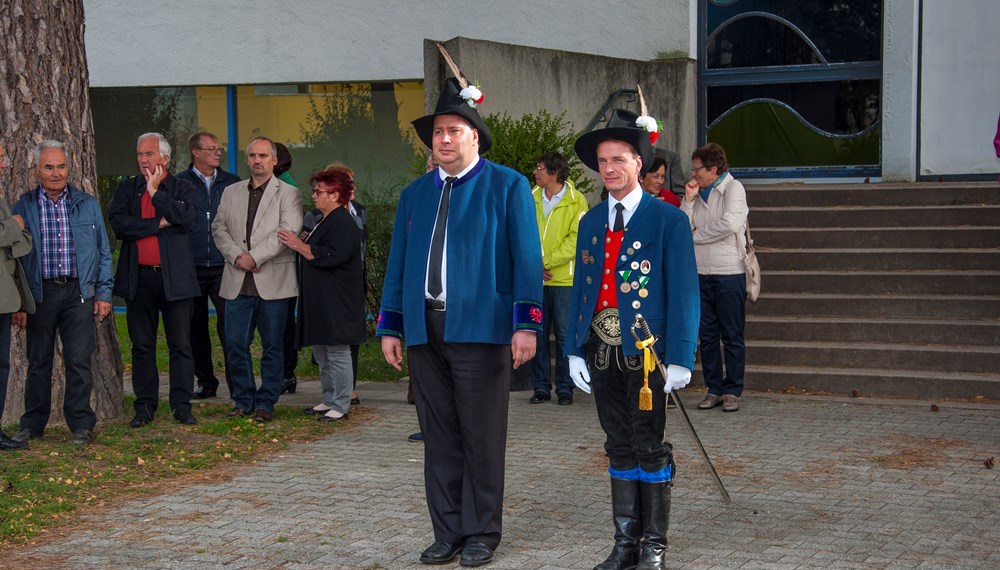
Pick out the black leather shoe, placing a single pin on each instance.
(8, 444)
(539, 397)
(202, 393)
(329, 417)
(312, 411)
(565, 400)
(476, 554)
(24, 434)
(440, 553)
(139, 421)
(82, 437)
(185, 418)
(355, 401)
(289, 385)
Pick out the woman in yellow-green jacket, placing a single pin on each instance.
(558, 208)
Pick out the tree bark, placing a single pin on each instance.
(44, 95)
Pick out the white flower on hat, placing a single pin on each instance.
(651, 125)
(472, 95)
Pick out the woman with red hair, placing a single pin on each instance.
(331, 290)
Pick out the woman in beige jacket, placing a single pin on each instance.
(716, 204)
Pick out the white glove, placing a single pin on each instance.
(677, 377)
(579, 373)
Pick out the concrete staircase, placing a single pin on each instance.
(882, 289)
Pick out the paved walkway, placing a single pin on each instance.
(817, 482)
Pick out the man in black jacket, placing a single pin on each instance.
(209, 180)
(152, 214)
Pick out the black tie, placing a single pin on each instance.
(619, 218)
(434, 286)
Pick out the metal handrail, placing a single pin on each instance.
(601, 115)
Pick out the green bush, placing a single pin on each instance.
(518, 143)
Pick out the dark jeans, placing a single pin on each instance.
(66, 312)
(462, 391)
(723, 317)
(209, 281)
(291, 358)
(143, 319)
(4, 357)
(555, 316)
(244, 314)
(634, 437)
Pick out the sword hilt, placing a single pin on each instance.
(641, 324)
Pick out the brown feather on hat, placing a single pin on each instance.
(452, 102)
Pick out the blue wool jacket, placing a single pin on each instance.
(494, 278)
(206, 203)
(90, 239)
(659, 236)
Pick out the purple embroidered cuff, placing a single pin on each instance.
(390, 323)
(527, 316)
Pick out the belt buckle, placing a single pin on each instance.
(434, 304)
(61, 279)
(607, 326)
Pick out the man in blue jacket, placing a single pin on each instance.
(152, 214)
(209, 180)
(636, 257)
(463, 284)
(69, 274)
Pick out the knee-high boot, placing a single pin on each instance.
(655, 499)
(625, 512)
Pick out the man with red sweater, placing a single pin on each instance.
(152, 214)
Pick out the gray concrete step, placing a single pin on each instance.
(884, 282)
(878, 237)
(950, 307)
(886, 259)
(874, 381)
(864, 329)
(874, 216)
(930, 358)
(913, 194)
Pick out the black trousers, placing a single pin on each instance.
(4, 358)
(63, 310)
(634, 437)
(462, 392)
(143, 319)
(209, 281)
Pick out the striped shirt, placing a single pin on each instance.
(58, 249)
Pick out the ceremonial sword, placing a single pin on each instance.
(641, 323)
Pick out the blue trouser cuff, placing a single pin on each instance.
(661, 476)
(630, 475)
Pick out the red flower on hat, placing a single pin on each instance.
(536, 314)
(653, 137)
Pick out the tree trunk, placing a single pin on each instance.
(44, 95)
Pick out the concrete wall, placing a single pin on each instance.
(177, 42)
(519, 80)
(899, 90)
(959, 87)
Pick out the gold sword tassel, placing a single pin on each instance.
(648, 365)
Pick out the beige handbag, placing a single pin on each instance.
(751, 264)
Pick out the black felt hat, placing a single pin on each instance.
(621, 126)
(452, 103)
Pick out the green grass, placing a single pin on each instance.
(371, 364)
(46, 485)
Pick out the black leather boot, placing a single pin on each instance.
(655, 499)
(625, 509)
(288, 386)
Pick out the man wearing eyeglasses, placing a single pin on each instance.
(209, 181)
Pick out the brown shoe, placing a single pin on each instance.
(710, 401)
(731, 403)
(235, 413)
(263, 416)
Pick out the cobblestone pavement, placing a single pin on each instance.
(817, 482)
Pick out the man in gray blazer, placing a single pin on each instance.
(14, 242)
(259, 276)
